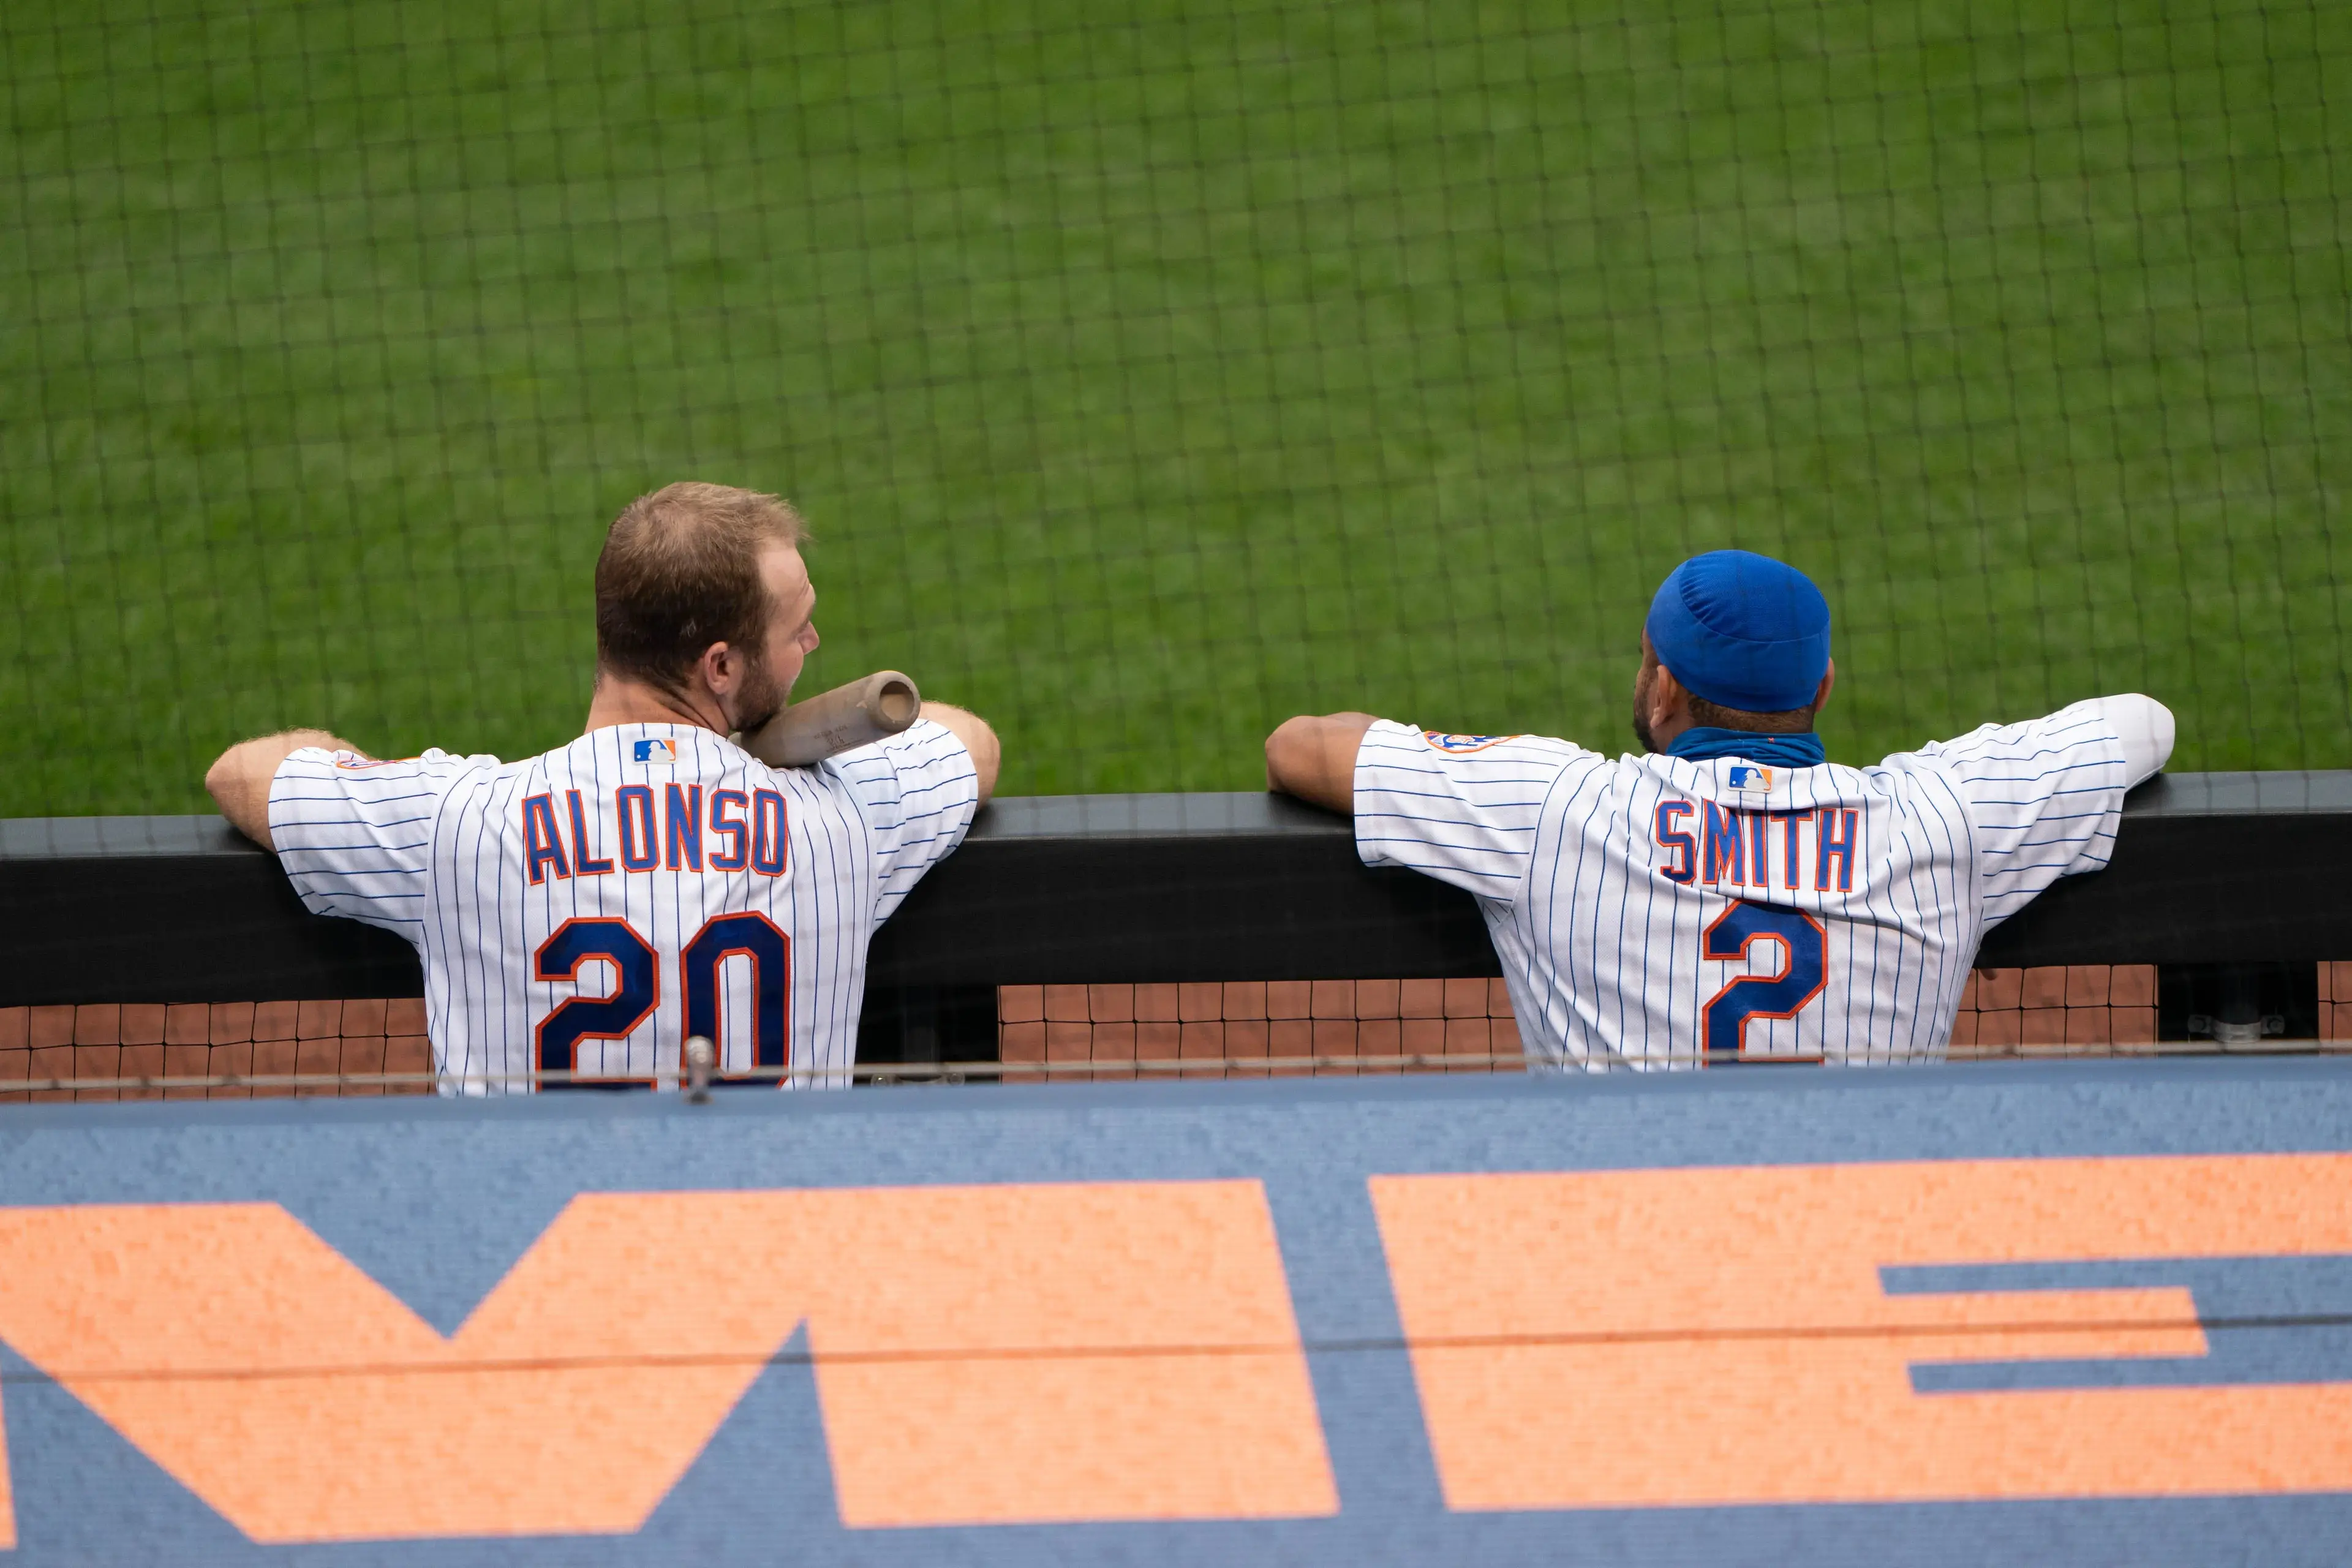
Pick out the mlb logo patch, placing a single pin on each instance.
(1747, 776)
(1440, 741)
(655, 750)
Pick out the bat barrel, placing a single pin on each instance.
(880, 705)
(896, 702)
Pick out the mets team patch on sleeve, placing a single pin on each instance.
(1442, 742)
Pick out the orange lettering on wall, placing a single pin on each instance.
(983, 1354)
(1721, 1336)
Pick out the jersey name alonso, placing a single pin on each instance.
(589, 910)
(1659, 912)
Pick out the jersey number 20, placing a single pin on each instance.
(1804, 970)
(638, 968)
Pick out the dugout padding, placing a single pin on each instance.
(1165, 889)
(1130, 928)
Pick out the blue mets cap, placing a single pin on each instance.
(1742, 630)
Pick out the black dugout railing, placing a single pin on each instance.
(2223, 880)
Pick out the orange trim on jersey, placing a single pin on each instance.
(1723, 824)
(759, 800)
(717, 1009)
(1788, 962)
(682, 826)
(1827, 847)
(1684, 848)
(739, 858)
(635, 856)
(1433, 737)
(620, 980)
(542, 841)
(583, 863)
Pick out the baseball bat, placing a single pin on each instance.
(857, 714)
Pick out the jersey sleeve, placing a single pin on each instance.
(917, 791)
(355, 835)
(2043, 798)
(1462, 808)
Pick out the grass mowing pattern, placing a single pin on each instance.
(1151, 372)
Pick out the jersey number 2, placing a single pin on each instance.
(1804, 970)
(637, 968)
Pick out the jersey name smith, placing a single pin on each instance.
(1731, 845)
(1657, 911)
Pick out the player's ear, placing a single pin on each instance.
(1668, 697)
(719, 669)
(1822, 693)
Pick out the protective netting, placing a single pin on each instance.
(1058, 1033)
(1151, 372)
(1238, 1029)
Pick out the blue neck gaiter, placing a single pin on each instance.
(1701, 744)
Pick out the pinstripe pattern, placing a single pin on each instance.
(436, 848)
(1598, 916)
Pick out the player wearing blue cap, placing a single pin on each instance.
(1731, 894)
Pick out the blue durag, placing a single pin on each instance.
(1742, 630)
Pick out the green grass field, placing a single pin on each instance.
(1151, 372)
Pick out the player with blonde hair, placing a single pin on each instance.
(582, 913)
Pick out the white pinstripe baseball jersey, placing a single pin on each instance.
(1656, 911)
(590, 909)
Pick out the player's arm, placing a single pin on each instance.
(2045, 798)
(977, 738)
(1313, 758)
(239, 780)
(2145, 728)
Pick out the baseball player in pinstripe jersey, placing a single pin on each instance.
(588, 910)
(1730, 894)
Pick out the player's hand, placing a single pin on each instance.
(239, 780)
(1313, 758)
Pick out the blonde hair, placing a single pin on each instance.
(680, 571)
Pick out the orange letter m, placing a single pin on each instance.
(983, 1354)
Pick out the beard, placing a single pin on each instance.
(1641, 714)
(762, 699)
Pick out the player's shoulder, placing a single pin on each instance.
(904, 795)
(923, 737)
(2082, 729)
(1389, 740)
(358, 771)
(925, 745)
